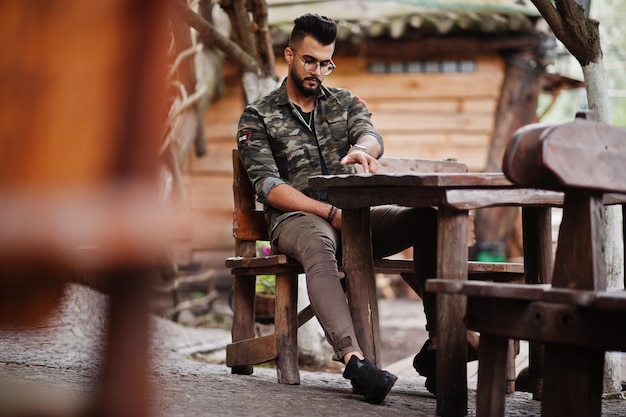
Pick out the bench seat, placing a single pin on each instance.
(496, 271)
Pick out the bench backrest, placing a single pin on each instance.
(582, 154)
(248, 221)
(585, 159)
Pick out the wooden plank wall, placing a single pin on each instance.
(208, 239)
(432, 116)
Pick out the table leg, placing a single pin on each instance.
(573, 381)
(452, 256)
(360, 280)
(538, 263)
(492, 364)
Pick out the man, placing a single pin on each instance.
(303, 129)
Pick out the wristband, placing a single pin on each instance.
(361, 147)
(331, 214)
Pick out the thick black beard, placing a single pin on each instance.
(306, 92)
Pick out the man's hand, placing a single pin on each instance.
(369, 163)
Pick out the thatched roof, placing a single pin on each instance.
(359, 19)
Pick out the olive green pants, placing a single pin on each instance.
(313, 242)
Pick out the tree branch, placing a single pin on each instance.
(237, 12)
(551, 15)
(264, 41)
(579, 34)
(209, 34)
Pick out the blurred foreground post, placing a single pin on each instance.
(83, 109)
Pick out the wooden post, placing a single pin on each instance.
(244, 285)
(516, 108)
(84, 102)
(452, 339)
(538, 263)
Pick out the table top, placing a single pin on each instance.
(448, 180)
(464, 191)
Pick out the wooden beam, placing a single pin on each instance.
(415, 48)
(547, 322)
(256, 351)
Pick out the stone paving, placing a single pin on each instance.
(53, 368)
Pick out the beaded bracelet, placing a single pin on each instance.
(331, 214)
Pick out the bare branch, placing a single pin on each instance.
(264, 41)
(211, 35)
(551, 15)
(578, 33)
(240, 23)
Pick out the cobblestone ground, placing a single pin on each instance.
(54, 368)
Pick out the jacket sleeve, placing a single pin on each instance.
(256, 154)
(360, 122)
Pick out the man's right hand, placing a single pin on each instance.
(369, 163)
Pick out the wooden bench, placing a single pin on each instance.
(249, 227)
(575, 318)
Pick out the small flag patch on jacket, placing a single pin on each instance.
(244, 136)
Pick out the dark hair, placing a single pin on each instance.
(321, 28)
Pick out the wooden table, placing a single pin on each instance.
(454, 195)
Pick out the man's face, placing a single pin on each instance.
(311, 52)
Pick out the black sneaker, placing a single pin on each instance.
(368, 380)
(425, 363)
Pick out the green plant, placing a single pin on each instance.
(266, 284)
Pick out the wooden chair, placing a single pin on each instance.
(249, 227)
(576, 318)
(79, 166)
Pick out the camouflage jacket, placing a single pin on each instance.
(277, 147)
